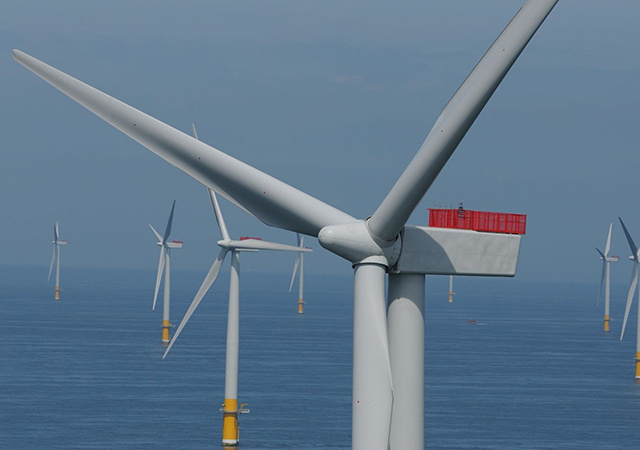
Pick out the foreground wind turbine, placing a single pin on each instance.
(388, 343)
(165, 263)
(299, 262)
(635, 257)
(230, 430)
(55, 258)
(605, 277)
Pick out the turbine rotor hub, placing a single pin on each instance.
(354, 242)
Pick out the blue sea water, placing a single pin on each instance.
(535, 372)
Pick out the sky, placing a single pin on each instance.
(332, 97)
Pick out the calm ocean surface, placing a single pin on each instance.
(536, 372)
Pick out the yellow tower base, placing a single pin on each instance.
(606, 323)
(300, 306)
(450, 297)
(637, 366)
(230, 430)
(57, 294)
(166, 336)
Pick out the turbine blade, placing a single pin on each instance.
(295, 270)
(604, 268)
(372, 400)
(218, 213)
(255, 244)
(55, 233)
(455, 120)
(632, 290)
(266, 198)
(158, 277)
(167, 231)
(608, 246)
(204, 288)
(53, 257)
(156, 233)
(193, 129)
(634, 249)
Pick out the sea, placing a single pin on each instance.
(533, 369)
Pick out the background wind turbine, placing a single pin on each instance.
(635, 257)
(55, 258)
(605, 277)
(165, 263)
(450, 288)
(299, 262)
(388, 342)
(230, 430)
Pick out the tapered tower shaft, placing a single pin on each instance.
(57, 291)
(607, 296)
(301, 286)
(230, 430)
(166, 332)
(405, 318)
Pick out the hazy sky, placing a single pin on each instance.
(333, 97)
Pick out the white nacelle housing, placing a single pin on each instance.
(444, 251)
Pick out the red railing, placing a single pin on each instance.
(467, 219)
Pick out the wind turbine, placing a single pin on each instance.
(388, 343)
(165, 263)
(55, 258)
(299, 262)
(635, 257)
(450, 288)
(605, 277)
(230, 431)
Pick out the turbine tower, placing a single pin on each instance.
(299, 262)
(230, 410)
(55, 259)
(635, 257)
(450, 288)
(165, 263)
(388, 334)
(605, 277)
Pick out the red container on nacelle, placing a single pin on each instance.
(467, 219)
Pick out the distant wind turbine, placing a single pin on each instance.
(387, 401)
(230, 410)
(55, 258)
(635, 257)
(165, 263)
(450, 288)
(605, 277)
(299, 262)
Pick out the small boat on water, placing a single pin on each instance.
(472, 322)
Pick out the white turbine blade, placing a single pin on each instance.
(156, 233)
(634, 249)
(218, 213)
(608, 245)
(55, 233)
(195, 133)
(159, 277)
(256, 244)
(268, 199)
(604, 269)
(295, 269)
(53, 258)
(204, 288)
(372, 399)
(167, 231)
(455, 120)
(295, 265)
(632, 290)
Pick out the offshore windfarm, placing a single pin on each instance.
(379, 331)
